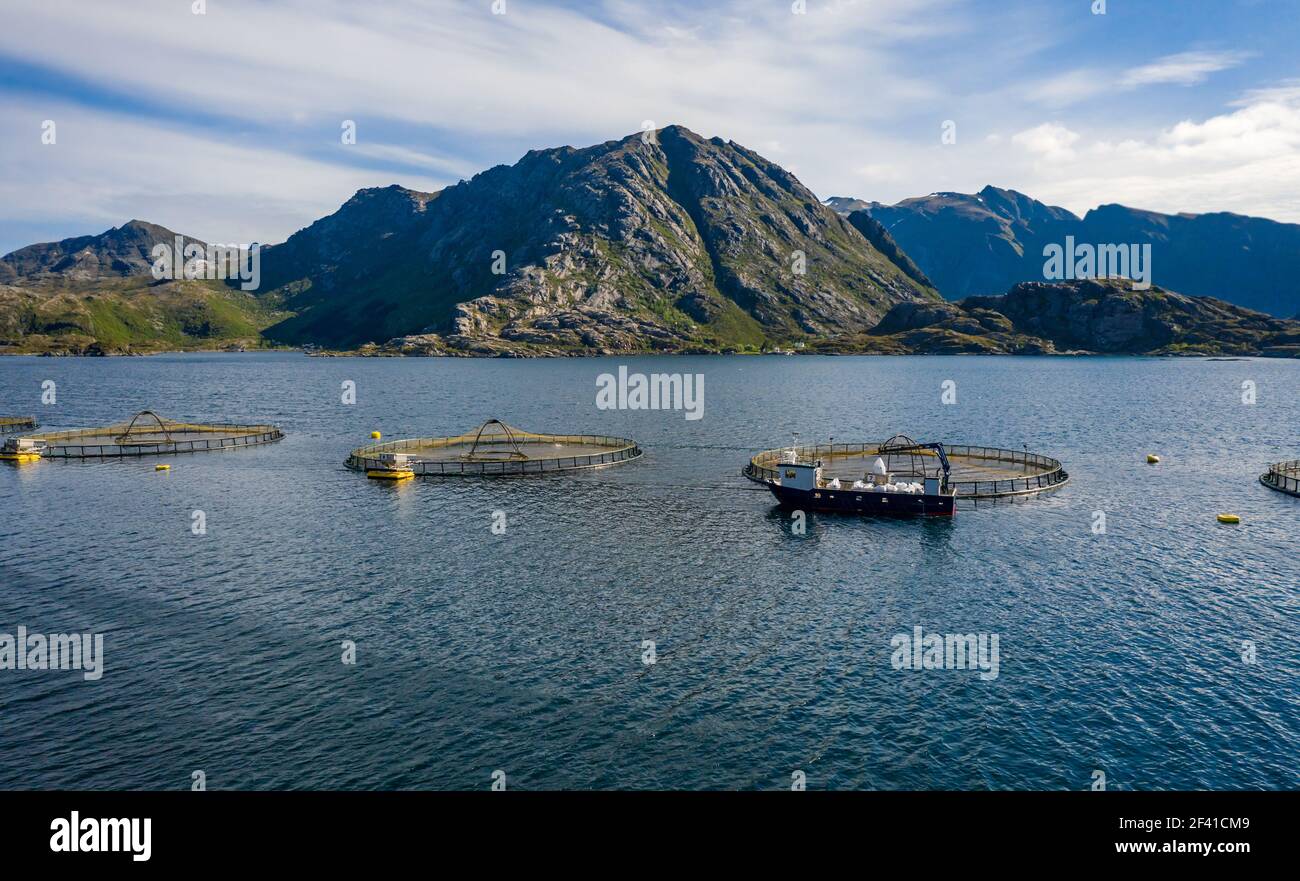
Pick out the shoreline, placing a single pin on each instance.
(357, 353)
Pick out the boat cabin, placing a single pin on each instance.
(391, 466)
(798, 475)
(21, 448)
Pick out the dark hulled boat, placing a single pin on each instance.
(918, 492)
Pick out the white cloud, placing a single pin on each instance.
(1246, 160)
(1285, 92)
(226, 126)
(879, 172)
(1183, 69)
(1070, 87)
(104, 169)
(538, 70)
(405, 156)
(441, 86)
(1051, 141)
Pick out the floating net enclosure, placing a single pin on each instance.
(977, 472)
(497, 448)
(1283, 477)
(148, 434)
(16, 424)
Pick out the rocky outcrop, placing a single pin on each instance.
(1095, 316)
(371, 230)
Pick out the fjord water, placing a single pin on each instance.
(523, 652)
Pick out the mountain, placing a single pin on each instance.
(346, 249)
(845, 205)
(976, 244)
(874, 231)
(1249, 261)
(1092, 316)
(120, 252)
(670, 243)
(97, 295)
(986, 242)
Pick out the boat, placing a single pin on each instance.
(917, 491)
(20, 449)
(391, 466)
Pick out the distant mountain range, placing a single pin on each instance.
(662, 243)
(984, 243)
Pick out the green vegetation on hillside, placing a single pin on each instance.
(131, 315)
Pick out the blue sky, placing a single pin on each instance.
(226, 124)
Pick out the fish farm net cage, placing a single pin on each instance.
(977, 472)
(1283, 477)
(16, 424)
(495, 448)
(148, 434)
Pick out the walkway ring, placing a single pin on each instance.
(1283, 477)
(497, 449)
(130, 439)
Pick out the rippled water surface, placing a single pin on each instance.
(523, 651)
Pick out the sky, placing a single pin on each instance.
(224, 119)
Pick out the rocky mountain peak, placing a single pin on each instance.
(119, 252)
(674, 241)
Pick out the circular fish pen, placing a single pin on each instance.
(148, 434)
(493, 449)
(1283, 477)
(16, 424)
(977, 472)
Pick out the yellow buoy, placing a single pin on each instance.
(1229, 518)
(162, 468)
(1152, 458)
(376, 435)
